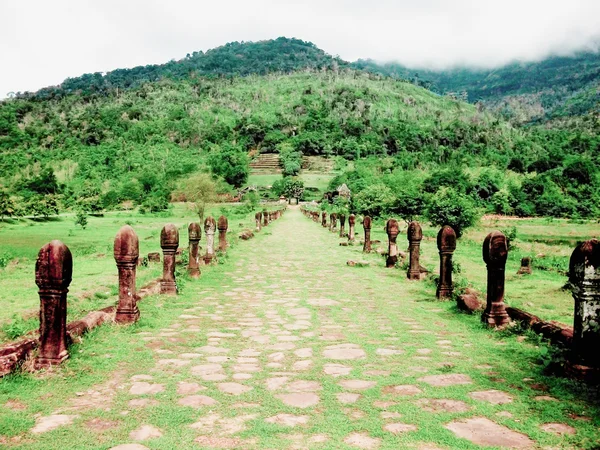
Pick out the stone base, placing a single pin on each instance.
(168, 287)
(495, 319)
(391, 261)
(127, 315)
(44, 363)
(194, 273)
(414, 275)
(444, 293)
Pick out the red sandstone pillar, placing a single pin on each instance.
(258, 219)
(223, 225)
(495, 253)
(126, 252)
(367, 227)
(446, 242)
(53, 272)
(351, 223)
(169, 241)
(342, 224)
(209, 230)
(414, 234)
(194, 236)
(324, 219)
(265, 218)
(391, 228)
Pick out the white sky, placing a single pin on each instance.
(42, 42)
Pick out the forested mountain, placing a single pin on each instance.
(557, 86)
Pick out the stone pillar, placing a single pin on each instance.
(584, 277)
(446, 243)
(53, 271)
(324, 219)
(392, 230)
(332, 222)
(209, 230)
(367, 227)
(258, 218)
(265, 215)
(169, 241)
(194, 236)
(414, 235)
(495, 253)
(126, 252)
(351, 223)
(342, 224)
(223, 225)
(525, 266)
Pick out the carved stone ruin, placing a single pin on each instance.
(194, 236)
(392, 230)
(342, 224)
(324, 219)
(367, 227)
(265, 216)
(258, 218)
(525, 266)
(126, 252)
(351, 223)
(495, 253)
(223, 225)
(584, 277)
(53, 272)
(332, 222)
(210, 227)
(169, 241)
(414, 235)
(446, 243)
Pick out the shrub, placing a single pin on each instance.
(374, 200)
(449, 207)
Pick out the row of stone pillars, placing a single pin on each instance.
(263, 218)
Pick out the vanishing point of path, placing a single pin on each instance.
(285, 346)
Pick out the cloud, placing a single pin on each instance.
(42, 43)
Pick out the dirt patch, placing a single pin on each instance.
(492, 396)
(403, 389)
(362, 440)
(482, 431)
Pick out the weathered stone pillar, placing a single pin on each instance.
(342, 224)
(367, 227)
(525, 266)
(169, 241)
(265, 215)
(584, 277)
(414, 235)
(495, 253)
(223, 225)
(332, 222)
(209, 230)
(446, 243)
(324, 219)
(258, 218)
(53, 272)
(194, 236)
(351, 223)
(126, 252)
(392, 230)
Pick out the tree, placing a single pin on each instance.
(230, 163)
(200, 189)
(7, 206)
(449, 207)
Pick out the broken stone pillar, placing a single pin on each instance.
(126, 252)
(351, 223)
(367, 227)
(495, 253)
(342, 224)
(324, 219)
(210, 227)
(584, 277)
(446, 243)
(194, 236)
(525, 266)
(414, 235)
(258, 219)
(223, 225)
(392, 230)
(265, 215)
(53, 271)
(169, 241)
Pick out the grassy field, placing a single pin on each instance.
(252, 356)
(311, 180)
(95, 278)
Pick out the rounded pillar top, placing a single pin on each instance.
(258, 215)
(127, 245)
(446, 239)
(414, 232)
(169, 236)
(342, 218)
(194, 231)
(367, 223)
(324, 214)
(209, 224)
(586, 255)
(351, 219)
(54, 266)
(495, 249)
(223, 224)
(391, 228)
(333, 216)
